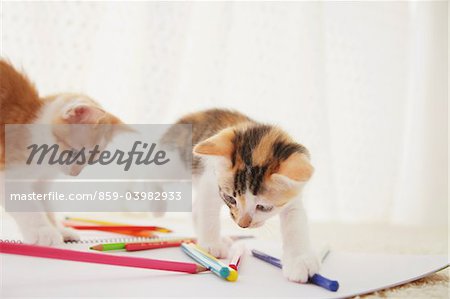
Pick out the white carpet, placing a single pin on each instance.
(393, 239)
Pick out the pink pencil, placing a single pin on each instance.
(97, 258)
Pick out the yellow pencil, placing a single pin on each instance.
(99, 222)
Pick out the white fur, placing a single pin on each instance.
(298, 260)
(206, 213)
(40, 227)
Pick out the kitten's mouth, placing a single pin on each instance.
(74, 171)
(256, 225)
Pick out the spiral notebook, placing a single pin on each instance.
(10, 231)
(93, 237)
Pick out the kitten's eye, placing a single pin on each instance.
(264, 208)
(229, 200)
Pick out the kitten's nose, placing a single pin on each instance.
(245, 221)
(75, 170)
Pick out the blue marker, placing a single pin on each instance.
(316, 279)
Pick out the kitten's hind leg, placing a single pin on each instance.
(206, 216)
(68, 234)
(36, 228)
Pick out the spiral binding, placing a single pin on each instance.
(125, 240)
(115, 240)
(11, 241)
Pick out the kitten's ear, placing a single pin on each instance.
(83, 114)
(119, 126)
(220, 144)
(123, 128)
(294, 170)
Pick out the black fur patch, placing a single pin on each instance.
(282, 150)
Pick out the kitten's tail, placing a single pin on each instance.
(19, 101)
(18, 94)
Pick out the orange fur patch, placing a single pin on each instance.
(264, 149)
(19, 102)
(218, 145)
(297, 167)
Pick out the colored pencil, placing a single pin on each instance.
(93, 221)
(138, 247)
(135, 246)
(135, 233)
(116, 227)
(138, 233)
(98, 258)
(121, 246)
(317, 279)
(107, 223)
(155, 245)
(209, 261)
(108, 246)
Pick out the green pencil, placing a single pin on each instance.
(156, 241)
(121, 246)
(110, 246)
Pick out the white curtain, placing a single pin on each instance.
(363, 85)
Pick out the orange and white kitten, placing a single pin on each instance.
(256, 170)
(21, 104)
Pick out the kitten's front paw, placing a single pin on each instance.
(219, 249)
(68, 234)
(300, 268)
(43, 235)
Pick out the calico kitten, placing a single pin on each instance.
(256, 170)
(21, 104)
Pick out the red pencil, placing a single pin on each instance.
(120, 227)
(97, 258)
(154, 245)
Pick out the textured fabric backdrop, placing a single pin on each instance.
(363, 85)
